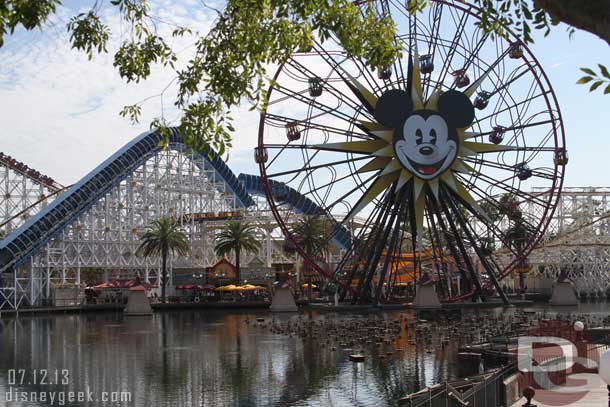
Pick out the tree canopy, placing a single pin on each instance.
(237, 236)
(312, 235)
(230, 62)
(163, 238)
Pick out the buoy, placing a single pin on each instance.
(356, 357)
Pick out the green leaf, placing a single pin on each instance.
(588, 71)
(607, 90)
(595, 85)
(584, 79)
(604, 71)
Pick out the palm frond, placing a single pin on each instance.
(237, 236)
(163, 235)
(312, 234)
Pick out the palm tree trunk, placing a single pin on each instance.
(163, 274)
(237, 269)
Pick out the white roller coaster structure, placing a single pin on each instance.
(104, 234)
(577, 244)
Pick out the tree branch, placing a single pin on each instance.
(589, 15)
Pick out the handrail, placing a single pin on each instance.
(456, 398)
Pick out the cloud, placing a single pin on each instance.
(60, 111)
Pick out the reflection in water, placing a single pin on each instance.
(210, 358)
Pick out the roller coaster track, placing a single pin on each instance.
(28, 172)
(287, 195)
(32, 206)
(22, 243)
(560, 240)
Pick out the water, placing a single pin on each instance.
(207, 358)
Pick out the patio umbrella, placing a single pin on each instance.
(230, 287)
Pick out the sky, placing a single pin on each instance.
(59, 112)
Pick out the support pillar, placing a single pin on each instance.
(32, 282)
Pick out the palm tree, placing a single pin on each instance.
(235, 237)
(517, 236)
(313, 236)
(162, 238)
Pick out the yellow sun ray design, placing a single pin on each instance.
(391, 168)
(375, 164)
(372, 126)
(405, 176)
(433, 184)
(378, 186)
(469, 148)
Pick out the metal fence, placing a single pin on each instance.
(479, 391)
(491, 389)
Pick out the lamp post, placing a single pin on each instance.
(604, 370)
(529, 394)
(581, 346)
(579, 326)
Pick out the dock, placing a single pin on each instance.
(446, 306)
(115, 307)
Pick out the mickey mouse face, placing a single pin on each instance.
(423, 145)
(425, 141)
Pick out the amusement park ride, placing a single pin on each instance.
(445, 166)
(437, 151)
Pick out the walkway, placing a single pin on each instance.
(596, 396)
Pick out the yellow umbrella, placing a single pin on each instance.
(248, 287)
(230, 287)
(255, 287)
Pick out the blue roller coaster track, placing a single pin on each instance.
(290, 196)
(24, 242)
(20, 245)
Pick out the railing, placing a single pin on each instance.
(478, 391)
(490, 390)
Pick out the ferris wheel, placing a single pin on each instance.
(425, 165)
